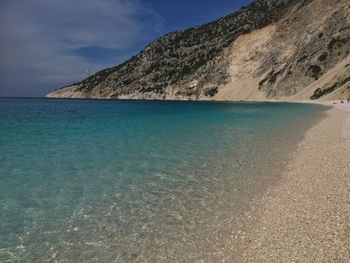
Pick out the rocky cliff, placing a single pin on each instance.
(271, 49)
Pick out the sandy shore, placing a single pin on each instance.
(306, 218)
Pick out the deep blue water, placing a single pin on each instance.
(103, 181)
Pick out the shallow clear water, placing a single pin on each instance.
(103, 181)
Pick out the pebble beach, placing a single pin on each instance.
(306, 217)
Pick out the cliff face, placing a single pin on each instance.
(271, 49)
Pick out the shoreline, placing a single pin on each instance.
(317, 102)
(306, 216)
(268, 230)
(329, 103)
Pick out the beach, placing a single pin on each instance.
(258, 182)
(306, 217)
(138, 181)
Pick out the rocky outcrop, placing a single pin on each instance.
(271, 49)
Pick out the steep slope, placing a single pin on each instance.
(282, 49)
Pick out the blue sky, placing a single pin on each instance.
(46, 44)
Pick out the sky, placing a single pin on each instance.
(48, 44)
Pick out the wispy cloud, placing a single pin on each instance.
(46, 44)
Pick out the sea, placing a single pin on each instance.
(136, 181)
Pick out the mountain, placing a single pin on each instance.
(269, 50)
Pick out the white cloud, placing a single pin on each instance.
(37, 38)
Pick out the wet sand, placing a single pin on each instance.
(306, 217)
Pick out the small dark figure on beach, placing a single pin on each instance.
(348, 99)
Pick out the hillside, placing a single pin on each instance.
(271, 49)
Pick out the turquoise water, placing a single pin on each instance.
(124, 181)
